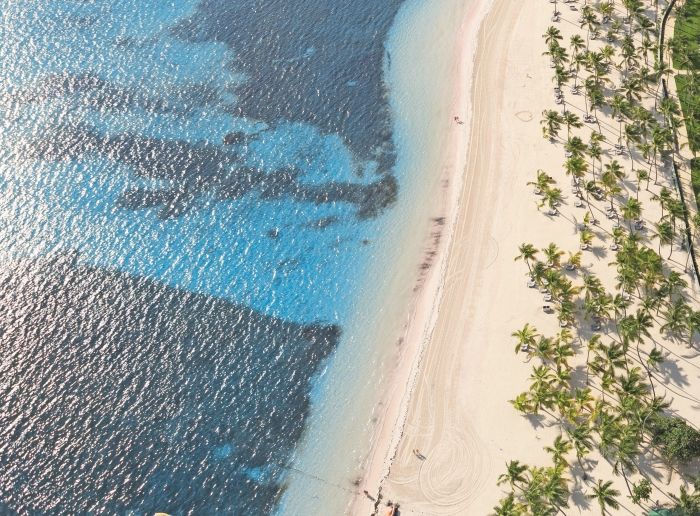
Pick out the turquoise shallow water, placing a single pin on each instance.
(191, 195)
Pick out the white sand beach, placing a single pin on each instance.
(451, 400)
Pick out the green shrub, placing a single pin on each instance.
(677, 441)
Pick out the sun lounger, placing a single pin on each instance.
(531, 284)
(578, 204)
(546, 309)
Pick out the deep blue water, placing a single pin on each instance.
(189, 195)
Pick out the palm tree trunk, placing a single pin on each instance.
(651, 381)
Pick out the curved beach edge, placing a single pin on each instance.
(423, 311)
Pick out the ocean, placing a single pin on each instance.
(204, 206)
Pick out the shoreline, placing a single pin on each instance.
(423, 309)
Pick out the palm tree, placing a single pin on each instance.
(544, 349)
(552, 123)
(632, 135)
(590, 21)
(514, 473)
(606, 9)
(596, 153)
(605, 495)
(669, 107)
(507, 507)
(673, 284)
(575, 145)
(685, 504)
(571, 120)
(590, 188)
(642, 175)
(527, 253)
(526, 337)
(578, 61)
(609, 182)
(693, 323)
(595, 97)
(552, 197)
(661, 140)
(631, 210)
(586, 237)
(576, 166)
(660, 69)
(577, 44)
(553, 254)
(654, 360)
(552, 35)
(582, 442)
(618, 107)
(626, 452)
(675, 318)
(543, 180)
(628, 52)
(664, 198)
(592, 345)
(561, 75)
(575, 259)
(646, 47)
(664, 233)
(559, 449)
(676, 210)
(608, 52)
